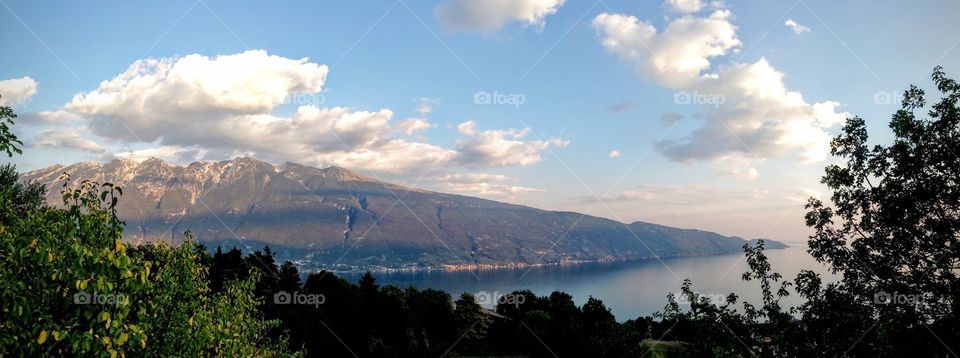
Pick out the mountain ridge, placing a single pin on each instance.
(334, 216)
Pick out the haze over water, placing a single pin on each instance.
(629, 289)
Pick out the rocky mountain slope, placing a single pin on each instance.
(334, 217)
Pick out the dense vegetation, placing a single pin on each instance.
(70, 287)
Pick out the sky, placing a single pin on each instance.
(714, 115)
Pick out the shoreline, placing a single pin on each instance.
(505, 266)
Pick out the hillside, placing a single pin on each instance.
(336, 217)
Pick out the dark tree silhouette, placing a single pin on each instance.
(892, 230)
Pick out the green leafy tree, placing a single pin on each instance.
(69, 286)
(8, 141)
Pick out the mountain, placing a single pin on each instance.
(337, 218)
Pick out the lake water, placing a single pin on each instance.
(629, 289)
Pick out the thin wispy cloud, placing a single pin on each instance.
(488, 16)
(797, 28)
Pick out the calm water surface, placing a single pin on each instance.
(629, 289)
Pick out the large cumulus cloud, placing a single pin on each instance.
(200, 107)
(17, 90)
(752, 115)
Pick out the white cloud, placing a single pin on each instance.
(167, 153)
(675, 57)
(426, 105)
(223, 104)
(392, 156)
(614, 154)
(492, 148)
(674, 195)
(758, 118)
(474, 177)
(483, 184)
(50, 117)
(468, 127)
(686, 6)
(625, 195)
(797, 28)
(194, 90)
(737, 166)
(198, 107)
(16, 91)
(802, 195)
(66, 139)
(492, 189)
(488, 16)
(411, 126)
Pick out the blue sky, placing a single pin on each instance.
(588, 86)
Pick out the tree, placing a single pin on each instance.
(432, 323)
(227, 266)
(69, 286)
(67, 283)
(289, 277)
(22, 197)
(469, 318)
(603, 336)
(368, 283)
(892, 229)
(8, 141)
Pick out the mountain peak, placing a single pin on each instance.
(335, 173)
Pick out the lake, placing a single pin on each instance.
(629, 289)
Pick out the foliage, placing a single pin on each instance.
(8, 141)
(469, 318)
(70, 286)
(892, 231)
(890, 235)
